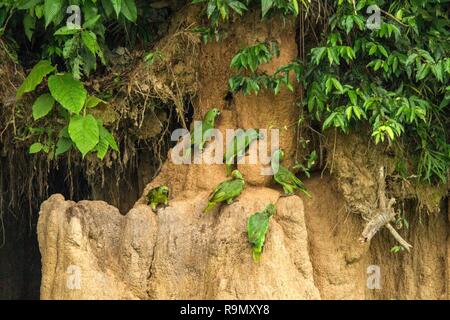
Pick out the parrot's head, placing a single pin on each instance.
(237, 175)
(164, 190)
(212, 114)
(271, 209)
(278, 154)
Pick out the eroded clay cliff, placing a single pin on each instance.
(92, 251)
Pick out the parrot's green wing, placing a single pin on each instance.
(289, 180)
(216, 190)
(228, 190)
(225, 191)
(237, 147)
(257, 227)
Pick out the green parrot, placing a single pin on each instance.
(226, 191)
(157, 196)
(284, 177)
(238, 146)
(257, 227)
(202, 131)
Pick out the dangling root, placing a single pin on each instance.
(382, 216)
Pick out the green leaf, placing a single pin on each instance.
(70, 93)
(27, 4)
(90, 41)
(266, 5)
(84, 133)
(35, 148)
(29, 24)
(390, 132)
(353, 97)
(423, 71)
(67, 30)
(42, 106)
(109, 138)
(51, 10)
(295, 6)
(93, 101)
(117, 5)
(107, 6)
(37, 74)
(63, 145)
(89, 24)
(102, 148)
(129, 10)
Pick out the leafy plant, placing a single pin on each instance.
(250, 80)
(69, 100)
(221, 10)
(72, 31)
(308, 162)
(395, 78)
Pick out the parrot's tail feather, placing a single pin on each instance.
(306, 192)
(256, 256)
(210, 206)
(228, 169)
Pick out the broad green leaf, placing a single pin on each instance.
(35, 148)
(27, 4)
(129, 10)
(265, 6)
(70, 93)
(63, 145)
(295, 6)
(107, 6)
(117, 5)
(90, 41)
(102, 148)
(91, 23)
(51, 10)
(84, 133)
(37, 74)
(42, 106)
(67, 30)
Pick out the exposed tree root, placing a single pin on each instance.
(382, 215)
